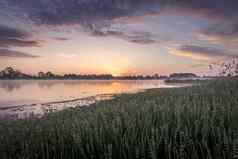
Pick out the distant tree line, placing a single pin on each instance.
(10, 73)
(183, 75)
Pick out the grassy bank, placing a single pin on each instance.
(196, 122)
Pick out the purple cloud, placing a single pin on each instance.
(201, 52)
(15, 54)
(15, 37)
(93, 15)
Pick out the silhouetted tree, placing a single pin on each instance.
(226, 68)
(230, 68)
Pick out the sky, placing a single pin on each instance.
(119, 37)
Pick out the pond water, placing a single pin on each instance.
(20, 98)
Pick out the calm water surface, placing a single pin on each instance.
(19, 97)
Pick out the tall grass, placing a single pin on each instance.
(198, 122)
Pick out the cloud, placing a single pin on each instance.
(138, 37)
(60, 38)
(15, 37)
(18, 42)
(58, 12)
(223, 30)
(225, 33)
(200, 53)
(7, 32)
(15, 54)
(95, 15)
(223, 16)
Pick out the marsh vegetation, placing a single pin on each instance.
(198, 122)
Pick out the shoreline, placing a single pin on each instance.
(39, 109)
(54, 102)
(89, 97)
(42, 109)
(21, 111)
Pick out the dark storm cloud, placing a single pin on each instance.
(15, 37)
(93, 15)
(16, 54)
(56, 12)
